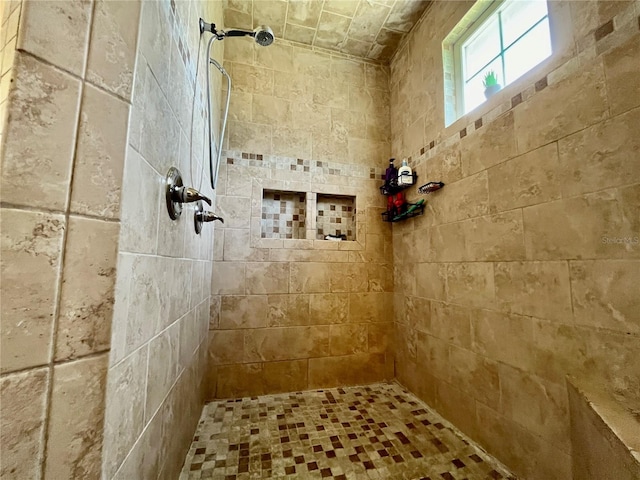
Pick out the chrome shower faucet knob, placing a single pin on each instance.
(176, 193)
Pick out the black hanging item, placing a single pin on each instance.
(430, 187)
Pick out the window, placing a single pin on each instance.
(509, 38)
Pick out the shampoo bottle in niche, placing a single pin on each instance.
(405, 175)
(391, 174)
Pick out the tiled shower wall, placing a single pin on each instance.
(296, 314)
(62, 157)
(161, 310)
(9, 21)
(525, 267)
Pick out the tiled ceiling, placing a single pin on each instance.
(364, 28)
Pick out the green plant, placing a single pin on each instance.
(490, 79)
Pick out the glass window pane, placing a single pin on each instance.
(520, 16)
(481, 48)
(529, 51)
(474, 88)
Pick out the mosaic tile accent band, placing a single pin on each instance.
(336, 216)
(379, 431)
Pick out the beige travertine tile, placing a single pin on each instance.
(529, 179)
(451, 323)
(286, 343)
(267, 277)
(431, 280)
(598, 157)
(299, 34)
(447, 243)
(272, 13)
(226, 346)
(475, 373)
(492, 144)
(237, 242)
(331, 32)
(602, 292)
(380, 338)
(31, 246)
(285, 376)
(88, 280)
(536, 404)
(310, 277)
(236, 211)
(235, 381)
(583, 97)
(446, 166)
(356, 47)
(288, 310)
(370, 307)
(490, 332)
(144, 460)
(309, 117)
(581, 227)
(252, 79)
(343, 7)
(57, 31)
(471, 284)
(521, 285)
(368, 19)
(348, 339)
(162, 369)
(238, 19)
(112, 47)
(227, 278)
(328, 308)
(621, 71)
(159, 129)
(304, 12)
(494, 237)
(22, 418)
(239, 311)
(527, 454)
(379, 277)
(124, 415)
(277, 57)
(250, 137)
(241, 52)
(270, 110)
(39, 139)
(418, 313)
(77, 412)
(154, 43)
(466, 198)
(354, 369)
(453, 402)
(100, 151)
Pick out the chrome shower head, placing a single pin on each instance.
(263, 35)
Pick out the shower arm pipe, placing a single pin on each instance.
(211, 61)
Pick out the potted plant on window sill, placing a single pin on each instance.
(491, 85)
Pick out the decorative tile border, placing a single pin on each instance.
(313, 167)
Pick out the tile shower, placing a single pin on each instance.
(502, 307)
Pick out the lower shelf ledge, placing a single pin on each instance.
(412, 210)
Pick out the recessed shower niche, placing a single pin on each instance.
(283, 214)
(336, 216)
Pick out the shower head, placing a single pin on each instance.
(263, 35)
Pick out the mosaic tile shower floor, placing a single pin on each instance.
(379, 431)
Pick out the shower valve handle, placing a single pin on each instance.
(208, 217)
(188, 195)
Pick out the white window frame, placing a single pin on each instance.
(475, 29)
